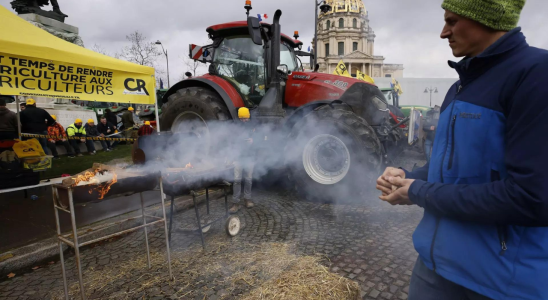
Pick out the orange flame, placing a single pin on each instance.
(102, 188)
(189, 166)
(86, 177)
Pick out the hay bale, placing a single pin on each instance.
(307, 279)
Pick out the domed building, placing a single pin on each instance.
(344, 33)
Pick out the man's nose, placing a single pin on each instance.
(445, 33)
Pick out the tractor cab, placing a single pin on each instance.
(243, 57)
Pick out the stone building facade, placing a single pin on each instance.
(344, 33)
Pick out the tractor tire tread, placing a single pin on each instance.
(185, 98)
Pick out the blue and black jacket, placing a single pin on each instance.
(485, 191)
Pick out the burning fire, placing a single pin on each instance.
(90, 178)
(104, 187)
(86, 177)
(189, 166)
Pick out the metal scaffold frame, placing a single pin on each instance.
(72, 239)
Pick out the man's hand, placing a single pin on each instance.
(83, 140)
(401, 195)
(432, 128)
(382, 182)
(102, 135)
(63, 140)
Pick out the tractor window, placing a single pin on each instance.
(287, 57)
(388, 96)
(241, 62)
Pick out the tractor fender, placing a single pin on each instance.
(303, 110)
(224, 89)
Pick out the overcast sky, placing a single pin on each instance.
(407, 31)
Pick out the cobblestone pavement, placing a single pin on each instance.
(369, 243)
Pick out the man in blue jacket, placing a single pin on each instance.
(484, 231)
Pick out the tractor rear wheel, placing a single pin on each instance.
(333, 154)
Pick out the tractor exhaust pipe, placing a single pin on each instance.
(271, 108)
(275, 43)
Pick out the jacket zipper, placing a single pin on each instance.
(503, 236)
(502, 230)
(438, 219)
(450, 163)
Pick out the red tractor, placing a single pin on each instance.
(339, 128)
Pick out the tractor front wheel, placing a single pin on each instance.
(189, 110)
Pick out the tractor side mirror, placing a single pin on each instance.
(284, 70)
(254, 28)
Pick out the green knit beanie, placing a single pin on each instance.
(497, 14)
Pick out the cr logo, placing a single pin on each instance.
(140, 85)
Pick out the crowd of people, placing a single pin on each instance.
(35, 120)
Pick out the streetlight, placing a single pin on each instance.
(167, 60)
(324, 8)
(431, 90)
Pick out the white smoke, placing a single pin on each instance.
(274, 151)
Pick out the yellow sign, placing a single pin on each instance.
(341, 70)
(34, 62)
(38, 77)
(364, 77)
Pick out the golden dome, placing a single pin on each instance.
(355, 6)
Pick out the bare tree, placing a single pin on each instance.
(141, 51)
(100, 49)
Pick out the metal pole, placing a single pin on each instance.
(162, 195)
(156, 110)
(146, 231)
(207, 200)
(315, 35)
(196, 209)
(76, 245)
(430, 97)
(171, 216)
(167, 60)
(18, 118)
(65, 285)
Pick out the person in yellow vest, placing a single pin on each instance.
(77, 130)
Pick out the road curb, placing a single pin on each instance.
(20, 259)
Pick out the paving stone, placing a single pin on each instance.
(374, 293)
